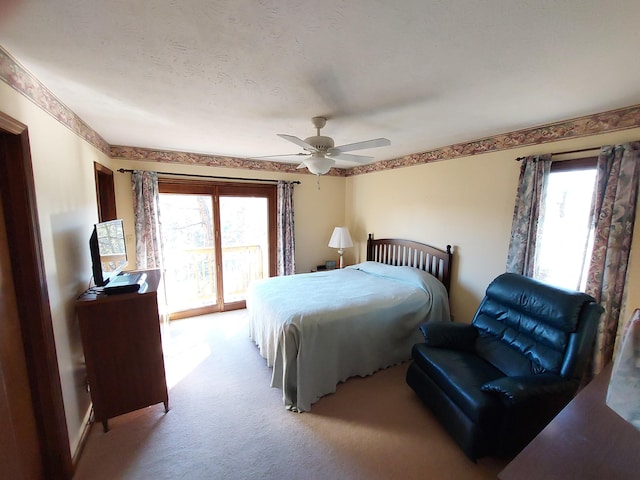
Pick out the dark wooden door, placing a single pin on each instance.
(19, 445)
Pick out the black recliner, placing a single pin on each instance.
(494, 384)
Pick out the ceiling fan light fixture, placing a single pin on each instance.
(319, 165)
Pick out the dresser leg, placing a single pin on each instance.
(105, 426)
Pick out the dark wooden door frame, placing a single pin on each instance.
(105, 192)
(23, 235)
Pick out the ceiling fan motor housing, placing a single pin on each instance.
(320, 142)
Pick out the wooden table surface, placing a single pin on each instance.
(587, 440)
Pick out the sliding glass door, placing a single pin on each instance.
(217, 238)
(188, 251)
(244, 243)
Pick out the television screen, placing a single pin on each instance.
(108, 251)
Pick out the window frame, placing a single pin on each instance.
(574, 164)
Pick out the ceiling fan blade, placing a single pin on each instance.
(350, 147)
(352, 158)
(298, 142)
(284, 155)
(302, 165)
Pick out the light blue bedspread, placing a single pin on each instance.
(318, 329)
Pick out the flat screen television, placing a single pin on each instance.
(108, 251)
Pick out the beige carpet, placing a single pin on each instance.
(225, 422)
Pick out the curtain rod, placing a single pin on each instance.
(577, 151)
(128, 170)
(592, 149)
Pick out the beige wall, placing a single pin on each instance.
(318, 204)
(66, 202)
(67, 208)
(464, 202)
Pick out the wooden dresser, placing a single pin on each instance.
(123, 350)
(586, 441)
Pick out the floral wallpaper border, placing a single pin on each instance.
(16, 76)
(186, 158)
(611, 121)
(20, 79)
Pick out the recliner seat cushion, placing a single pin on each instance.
(460, 374)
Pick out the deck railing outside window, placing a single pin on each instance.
(190, 274)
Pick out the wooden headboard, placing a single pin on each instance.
(395, 251)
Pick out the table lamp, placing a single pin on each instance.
(340, 239)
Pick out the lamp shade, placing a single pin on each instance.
(340, 238)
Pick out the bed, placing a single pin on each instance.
(318, 329)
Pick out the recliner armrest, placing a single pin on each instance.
(459, 336)
(515, 390)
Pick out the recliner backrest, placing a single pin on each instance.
(527, 327)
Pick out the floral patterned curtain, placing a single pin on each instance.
(615, 200)
(527, 213)
(147, 219)
(286, 241)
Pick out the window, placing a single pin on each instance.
(566, 229)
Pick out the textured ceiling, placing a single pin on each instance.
(224, 77)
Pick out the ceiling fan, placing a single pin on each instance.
(322, 154)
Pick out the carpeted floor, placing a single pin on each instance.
(225, 422)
